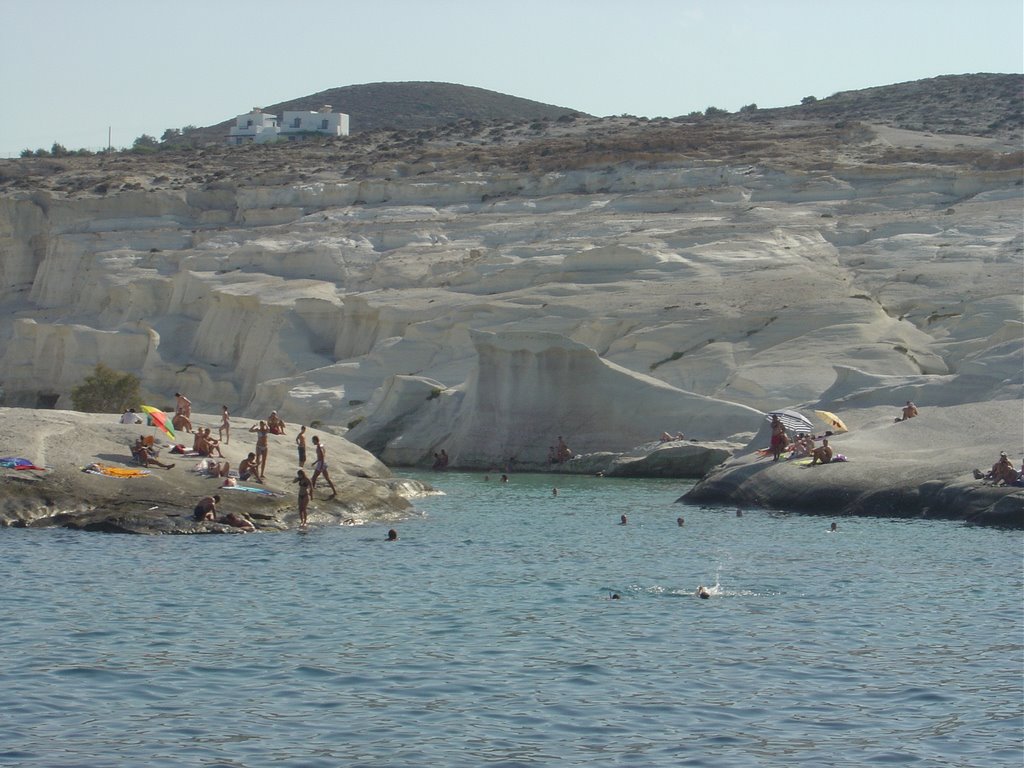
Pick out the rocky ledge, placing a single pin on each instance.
(921, 468)
(61, 493)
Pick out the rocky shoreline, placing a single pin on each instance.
(921, 468)
(63, 495)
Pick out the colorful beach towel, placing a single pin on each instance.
(12, 462)
(108, 471)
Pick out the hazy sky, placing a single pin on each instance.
(69, 69)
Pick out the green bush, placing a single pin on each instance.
(106, 391)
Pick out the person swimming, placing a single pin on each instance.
(703, 593)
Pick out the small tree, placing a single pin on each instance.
(144, 144)
(106, 391)
(808, 100)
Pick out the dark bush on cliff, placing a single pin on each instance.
(106, 391)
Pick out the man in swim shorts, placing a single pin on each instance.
(320, 468)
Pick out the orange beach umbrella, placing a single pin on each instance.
(832, 420)
(160, 419)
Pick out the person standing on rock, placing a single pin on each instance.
(305, 491)
(563, 452)
(320, 468)
(182, 405)
(262, 444)
(224, 430)
(779, 440)
(300, 443)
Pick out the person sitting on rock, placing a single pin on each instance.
(130, 417)
(206, 509)
(145, 458)
(1002, 472)
(440, 460)
(275, 424)
(211, 443)
(802, 447)
(909, 411)
(181, 422)
(182, 412)
(822, 455)
(248, 468)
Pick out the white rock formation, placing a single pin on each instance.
(743, 283)
(526, 390)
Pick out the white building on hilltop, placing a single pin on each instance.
(260, 127)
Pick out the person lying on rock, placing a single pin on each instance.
(822, 455)
(216, 468)
(235, 520)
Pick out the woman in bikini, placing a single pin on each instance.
(304, 494)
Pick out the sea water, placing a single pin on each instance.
(487, 636)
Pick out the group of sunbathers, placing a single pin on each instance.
(1002, 472)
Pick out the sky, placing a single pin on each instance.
(72, 70)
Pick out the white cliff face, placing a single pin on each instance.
(526, 390)
(739, 283)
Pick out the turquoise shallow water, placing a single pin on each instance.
(485, 637)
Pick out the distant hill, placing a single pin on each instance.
(412, 106)
(977, 104)
(974, 104)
